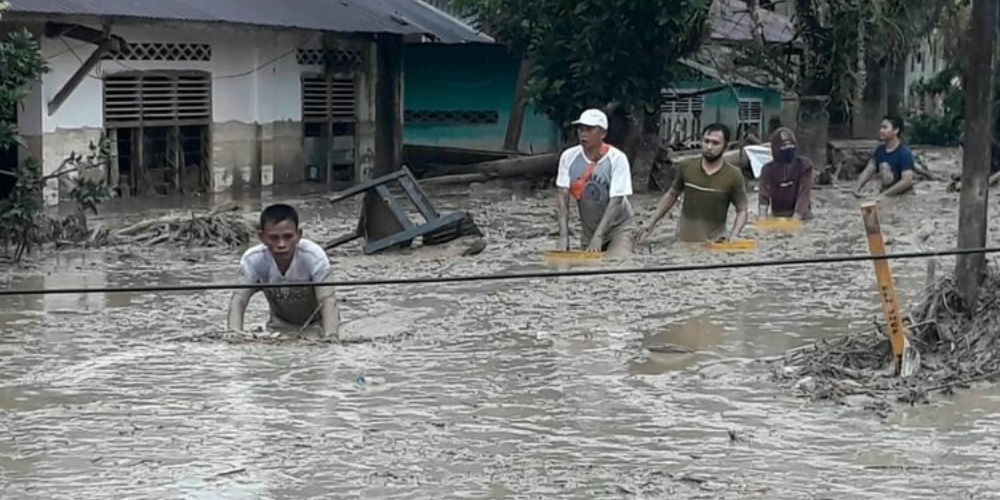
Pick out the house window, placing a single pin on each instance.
(329, 113)
(160, 122)
(680, 118)
(451, 117)
(689, 104)
(328, 98)
(751, 118)
(162, 52)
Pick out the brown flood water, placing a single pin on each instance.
(519, 389)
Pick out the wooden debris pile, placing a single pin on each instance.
(958, 346)
(221, 227)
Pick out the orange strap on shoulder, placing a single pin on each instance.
(576, 187)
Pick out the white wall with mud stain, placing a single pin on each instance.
(256, 98)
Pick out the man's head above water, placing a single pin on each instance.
(279, 230)
(891, 128)
(591, 128)
(714, 139)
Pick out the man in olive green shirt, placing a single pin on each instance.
(709, 185)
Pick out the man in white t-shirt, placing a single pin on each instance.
(597, 175)
(285, 257)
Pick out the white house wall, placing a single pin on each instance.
(256, 94)
(923, 64)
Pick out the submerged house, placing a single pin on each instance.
(205, 96)
(742, 98)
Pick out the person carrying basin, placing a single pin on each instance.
(785, 184)
(709, 185)
(598, 176)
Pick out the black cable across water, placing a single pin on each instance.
(503, 277)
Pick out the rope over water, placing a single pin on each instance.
(503, 277)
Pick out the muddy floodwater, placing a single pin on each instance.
(631, 386)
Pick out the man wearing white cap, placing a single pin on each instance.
(598, 176)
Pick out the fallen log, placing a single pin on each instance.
(526, 166)
(454, 179)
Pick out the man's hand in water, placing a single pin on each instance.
(642, 233)
(596, 245)
(562, 245)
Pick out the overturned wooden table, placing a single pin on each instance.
(384, 224)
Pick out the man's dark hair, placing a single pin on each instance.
(717, 127)
(896, 121)
(278, 213)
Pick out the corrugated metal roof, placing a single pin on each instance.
(401, 17)
(731, 22)
(443, 25)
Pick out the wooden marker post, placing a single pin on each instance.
(903, 354)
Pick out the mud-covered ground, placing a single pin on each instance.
(515, 389)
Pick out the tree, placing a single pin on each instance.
(970, 270)
(22, 63)
(21, 214)
(844, 42)
(613, 54)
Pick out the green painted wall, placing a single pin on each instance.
(466, 78)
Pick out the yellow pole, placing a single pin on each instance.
(883, 277)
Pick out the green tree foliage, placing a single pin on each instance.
(844, 43)
(22, 221)
(592, 53)
(22, 64)
(944, 128)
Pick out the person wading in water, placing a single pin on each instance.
(785, 186)
(709, 185)
(598, 176)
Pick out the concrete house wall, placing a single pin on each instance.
(256, 129)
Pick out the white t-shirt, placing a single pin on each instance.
(309, 264)
(612, 177)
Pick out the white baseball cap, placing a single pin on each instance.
(593, 118)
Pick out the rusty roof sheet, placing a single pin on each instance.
(731, 22)
(401, 17)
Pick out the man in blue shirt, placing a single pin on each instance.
(892, 161)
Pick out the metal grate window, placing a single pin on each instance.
(337, 59)
(157, 98)
(751, 118)
(751, 111)
(162, 52)
(692, 104)
(328, 99)
(449, 117)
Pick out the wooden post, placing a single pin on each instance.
(978, 86)
(81, 73)
(515, 124)
(895, 330)
(388, 104)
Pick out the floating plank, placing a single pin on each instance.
(778, 225)
(732, 246)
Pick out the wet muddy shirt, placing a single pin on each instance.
(896, 162)
(294, 305)
(787, 188)
(612, 177)
(706, 199)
